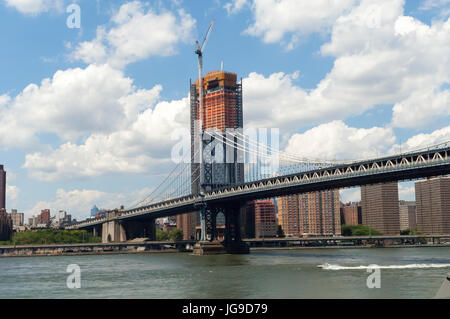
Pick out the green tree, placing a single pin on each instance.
(359, 230)
(176, 235)
(409, 231)
(161, 235)
(53, 236)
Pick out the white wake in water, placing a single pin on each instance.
(327, 266)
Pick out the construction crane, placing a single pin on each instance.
(199, 51)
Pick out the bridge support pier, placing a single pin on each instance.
(113, 231)
(232, 244)
(150, 230)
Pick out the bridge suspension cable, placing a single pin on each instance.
(175, 176)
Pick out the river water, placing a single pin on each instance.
(310, 273)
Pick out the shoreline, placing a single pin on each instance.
(149, 248)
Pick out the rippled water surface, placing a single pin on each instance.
(312, 273)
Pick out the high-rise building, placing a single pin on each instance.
(260, 219)
(314, 213)
(433, 205)
(380, 210)
(407, 211)
(351, 214)
(187, 223)
(222, 110)
(94, 210)
(288, 215)
(44, 217)
(2, 187)
(6, 225)
(17, 218)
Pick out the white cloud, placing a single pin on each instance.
(423, 140)
(79, 202)
(35, 7)
(430, 4)
(137, 34)
(381, 57)
(73, 103)
(276, 18)
(143, 146)
(406, 191)
(337, 141)
(12, 195)
(350, 195)
(387, 63)
(421, 108)
(235, 6)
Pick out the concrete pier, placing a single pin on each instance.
(209, 248)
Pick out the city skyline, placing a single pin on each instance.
(65, 163)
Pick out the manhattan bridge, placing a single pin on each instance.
(227, 166)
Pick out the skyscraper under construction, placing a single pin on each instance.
(222, 111)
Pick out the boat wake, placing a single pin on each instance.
(327, 266)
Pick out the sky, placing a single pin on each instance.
(87, 114)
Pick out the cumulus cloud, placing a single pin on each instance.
(73, 103)
(273, 19)
(35, 7)
(381, 57)
(337, 141)
(143, 146)
(104, 123)
(350, 195)
(137, 33)
(406, 191)
(386, 62)
(424, 140)
(421, 108)
(12, 195)
(235, 6)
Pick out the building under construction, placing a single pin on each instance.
(222, 110)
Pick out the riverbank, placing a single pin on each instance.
(156, 247)
(94, 249)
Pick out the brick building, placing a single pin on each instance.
(407, 211)
(380, 209)
(260, 219)
(314, 213)
(351, 214)
(433, 205)
(2, 187)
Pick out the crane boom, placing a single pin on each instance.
(199, 52)
(207, 36)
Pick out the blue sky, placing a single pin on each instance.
(86, 114)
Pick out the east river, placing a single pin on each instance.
(309, 273)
